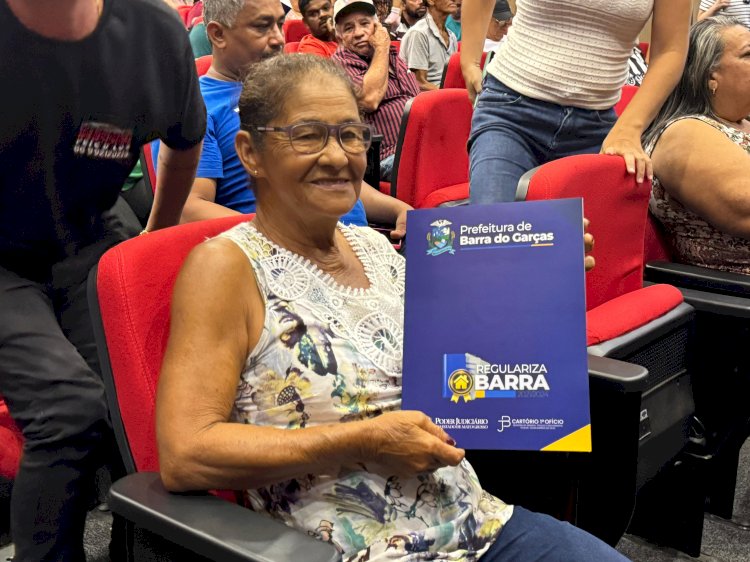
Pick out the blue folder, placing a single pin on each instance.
(495, 324)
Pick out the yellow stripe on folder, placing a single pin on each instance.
(577, 442)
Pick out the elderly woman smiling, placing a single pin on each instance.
(282, 374)
(700, 144)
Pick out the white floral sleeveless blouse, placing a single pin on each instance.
(328, 354)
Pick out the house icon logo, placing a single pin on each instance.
(461, 384)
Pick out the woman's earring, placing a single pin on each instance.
(713, 91)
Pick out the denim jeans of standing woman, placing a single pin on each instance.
(512, 133)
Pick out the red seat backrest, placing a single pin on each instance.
(452, 75)
(643, 47)
(625, 96)
(134, 302)
(291, 47)
(431, 151)
(11, 443)
(202, 64)
(616, 206)
(294, 30)
(184, 11)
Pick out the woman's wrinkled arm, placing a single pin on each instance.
(217, 316)
(707, 173)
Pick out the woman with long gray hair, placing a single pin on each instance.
(699, 144)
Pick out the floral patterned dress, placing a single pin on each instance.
(693, 240)
(332, 354)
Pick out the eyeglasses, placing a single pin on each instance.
(311, 138)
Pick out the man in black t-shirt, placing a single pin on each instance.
(85, 84)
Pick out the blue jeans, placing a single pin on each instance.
(512, 133)
(531, 537)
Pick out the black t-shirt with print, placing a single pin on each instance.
(74, 115)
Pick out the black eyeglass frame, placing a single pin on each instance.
(330, 129)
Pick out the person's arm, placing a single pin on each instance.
(669, 42)
(381, 208)
(174, 178)
(415, 50)
(475, 19)
(375, 80)
(708, 9)
(217, 317)
(424, 84)
(201, 203)
(707, 173)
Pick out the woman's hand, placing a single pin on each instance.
(473, 79)
(588, 246)
(399, 231)
(717, 7)
(629, 147)
(406, 443)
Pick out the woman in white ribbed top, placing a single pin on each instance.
(550, 89)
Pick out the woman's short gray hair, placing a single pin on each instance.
(222, 11)
(277, 81)
(692, 96)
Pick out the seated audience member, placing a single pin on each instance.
(637, 67)
(500, 23)
(739, 9)
(303, 405)
(366, 53)
(699, 144)
(383, 10)
(199, 41)
(428, 45)
(411, 13)
(318, 16)
(454, 21)
(221, 185)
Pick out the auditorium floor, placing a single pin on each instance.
(721, 542)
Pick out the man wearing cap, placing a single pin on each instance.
(242, 35)
(412, 12)
(428, 45)
(499, 25)
(318, 15)
(366, 53)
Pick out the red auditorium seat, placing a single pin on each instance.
(202, 64)
(452, 75)
(625, 96)
(291, 47)
(11, 444)
(643, 46)
(431, 166)
(294, 30)
(649, 326)
(184, 11)
(129, 300)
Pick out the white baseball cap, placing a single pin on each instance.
(343, 7)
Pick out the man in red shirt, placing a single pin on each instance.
(318, 15)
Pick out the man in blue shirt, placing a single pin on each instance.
(242, 36)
